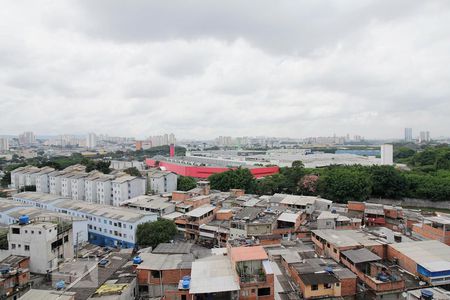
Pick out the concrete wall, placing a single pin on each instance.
(412, 202)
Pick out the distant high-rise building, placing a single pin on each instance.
(172, 139)
(91, 140)
(424, 137)
(408, 134)
(4, 144)
(387, 154)
(27, 138)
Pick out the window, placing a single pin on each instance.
(13, 246)
(327, 285)
(26, 231)
(335, 250)
(264, 292)
(155, 274)
(27, 247)
(16, 230)
(40, 232)
(314, 287)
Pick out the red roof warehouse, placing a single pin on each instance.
(205, 172)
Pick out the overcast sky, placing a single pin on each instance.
(207, 68)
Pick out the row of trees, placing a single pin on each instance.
(341, 183)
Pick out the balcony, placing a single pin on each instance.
(383, 286)
(250, 272)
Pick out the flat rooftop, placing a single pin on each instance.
(432, 254)
(106, 211)
(47, 295)
(348, 238)
(151, 261)
(213, 274)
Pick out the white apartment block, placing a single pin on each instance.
(77, 186)
(66, 185)
(90, 186)
(42, 242)
(104, 190)
(73, 182)
(19, 176)
(42, 180)
(127, 187)
(160, 182)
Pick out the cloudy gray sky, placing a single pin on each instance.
(206, 68)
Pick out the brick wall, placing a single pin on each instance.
(348, 286)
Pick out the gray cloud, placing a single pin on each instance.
(207, 68)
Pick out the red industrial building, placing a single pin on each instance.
(205, 172)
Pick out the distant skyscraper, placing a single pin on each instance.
(387, 154)
(424, 137)
(91, 141)
(27, 138)
(408, 134)
(4, 144)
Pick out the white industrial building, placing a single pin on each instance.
(122, 165)
(107, 225)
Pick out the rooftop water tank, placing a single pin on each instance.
(186, 282)
(137, 260)
(426, 294)
(24, 219)
(60, 285)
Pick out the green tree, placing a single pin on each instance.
(133, 171)
(153, 233)
(6, 180)
(343, 184)
(271, 185)
(298, 164)
(293, 177)
(233, 179)
(103, 166)
(403, 152)
(387, 182)
(186, 183)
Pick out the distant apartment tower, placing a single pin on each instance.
(408, 134)
(91, 140)
(387, 154)
(27, 138)
(4, 144)
(424, 137)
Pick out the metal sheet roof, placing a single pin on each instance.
(213, 274)
(361, 255)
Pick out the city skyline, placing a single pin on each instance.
(139, 68)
